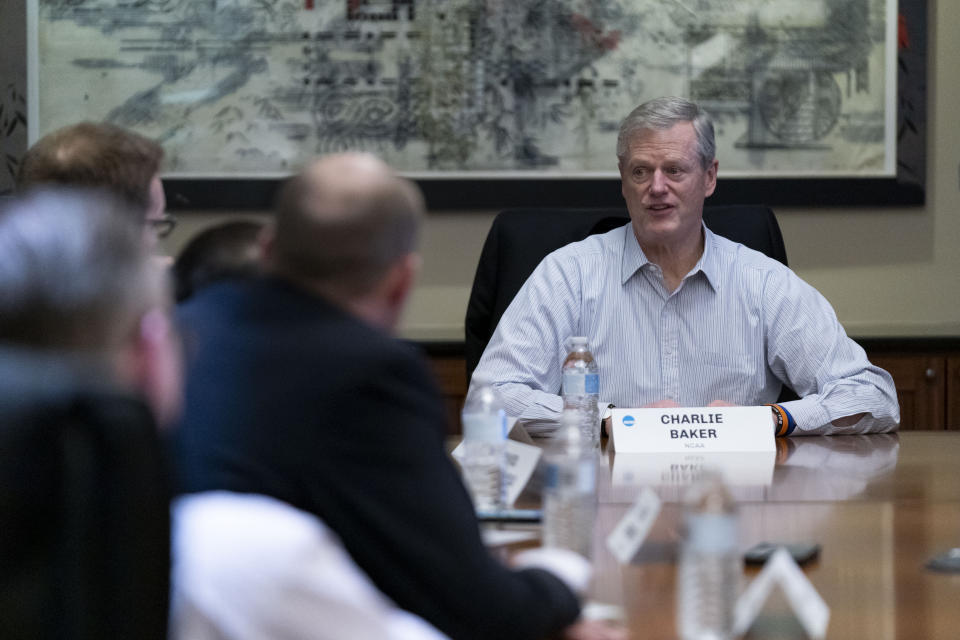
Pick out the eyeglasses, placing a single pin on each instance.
(162, 226)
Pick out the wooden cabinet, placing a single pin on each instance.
(921, 388)
(953, 392)
(450, 372)
(927, 374)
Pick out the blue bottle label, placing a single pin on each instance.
(581, 477)
(592, 383)
(485, 427)
(578, 384)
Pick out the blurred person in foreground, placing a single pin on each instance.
(678, 316)
(88, 367)
(297, 391)
(103, 156)
(77, 284)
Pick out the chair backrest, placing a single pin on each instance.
(84, 507)
(520, 238)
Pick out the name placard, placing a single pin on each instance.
(692, 429)
(807, 604)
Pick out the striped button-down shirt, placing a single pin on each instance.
(739, 326)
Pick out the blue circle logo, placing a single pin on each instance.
(628, 421)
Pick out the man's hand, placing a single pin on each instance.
(595, 630)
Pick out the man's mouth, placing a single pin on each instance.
(659, 207)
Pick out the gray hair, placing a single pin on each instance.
(664, 113)
(344, 221)
(75, 275)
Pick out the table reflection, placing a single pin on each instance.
(821, 468)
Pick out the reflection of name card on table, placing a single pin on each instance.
(747, 469)
(692, 430)
(520, 459)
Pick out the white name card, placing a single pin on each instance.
(696, 429)
(520, 459)
(807, 605)
(627, 537)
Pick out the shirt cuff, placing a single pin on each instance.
(570, 567)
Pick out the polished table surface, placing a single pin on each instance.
(880, 506)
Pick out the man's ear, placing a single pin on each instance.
(710, 178)
(400, 281)
(266, 243)
(153, 365)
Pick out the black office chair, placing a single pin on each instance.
(84, 507)
(520, 238)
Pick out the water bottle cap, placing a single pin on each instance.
(483, 398)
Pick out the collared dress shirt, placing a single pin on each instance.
(739, 326)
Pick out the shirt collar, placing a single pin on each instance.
(634, 259)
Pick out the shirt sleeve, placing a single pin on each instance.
(809, 350)
(524, 357)
(250, 567)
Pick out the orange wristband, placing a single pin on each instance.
(783, 422)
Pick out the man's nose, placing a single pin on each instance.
(658, 184)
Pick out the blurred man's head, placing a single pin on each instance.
(76, 280)
(100, 155)
(347, 227)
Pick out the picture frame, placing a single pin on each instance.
(485, 191)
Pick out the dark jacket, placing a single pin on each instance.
(290, 397)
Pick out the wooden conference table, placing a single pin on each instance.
(880, 506)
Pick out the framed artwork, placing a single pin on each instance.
(489, 103)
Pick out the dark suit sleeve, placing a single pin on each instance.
(407, 520)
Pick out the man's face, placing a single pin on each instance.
(664, 185)
(155, 210)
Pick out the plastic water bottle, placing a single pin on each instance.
(581, 387)
(708, 580)
(484, 441)
(569, 495)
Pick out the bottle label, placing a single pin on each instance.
(587, 477)
(482, 427)
(711, 532)
(582, 478)
(578, 384)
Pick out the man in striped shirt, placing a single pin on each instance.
(678, 316)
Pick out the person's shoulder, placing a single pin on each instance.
(597, 246)
(741, 256)
(207, 301)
